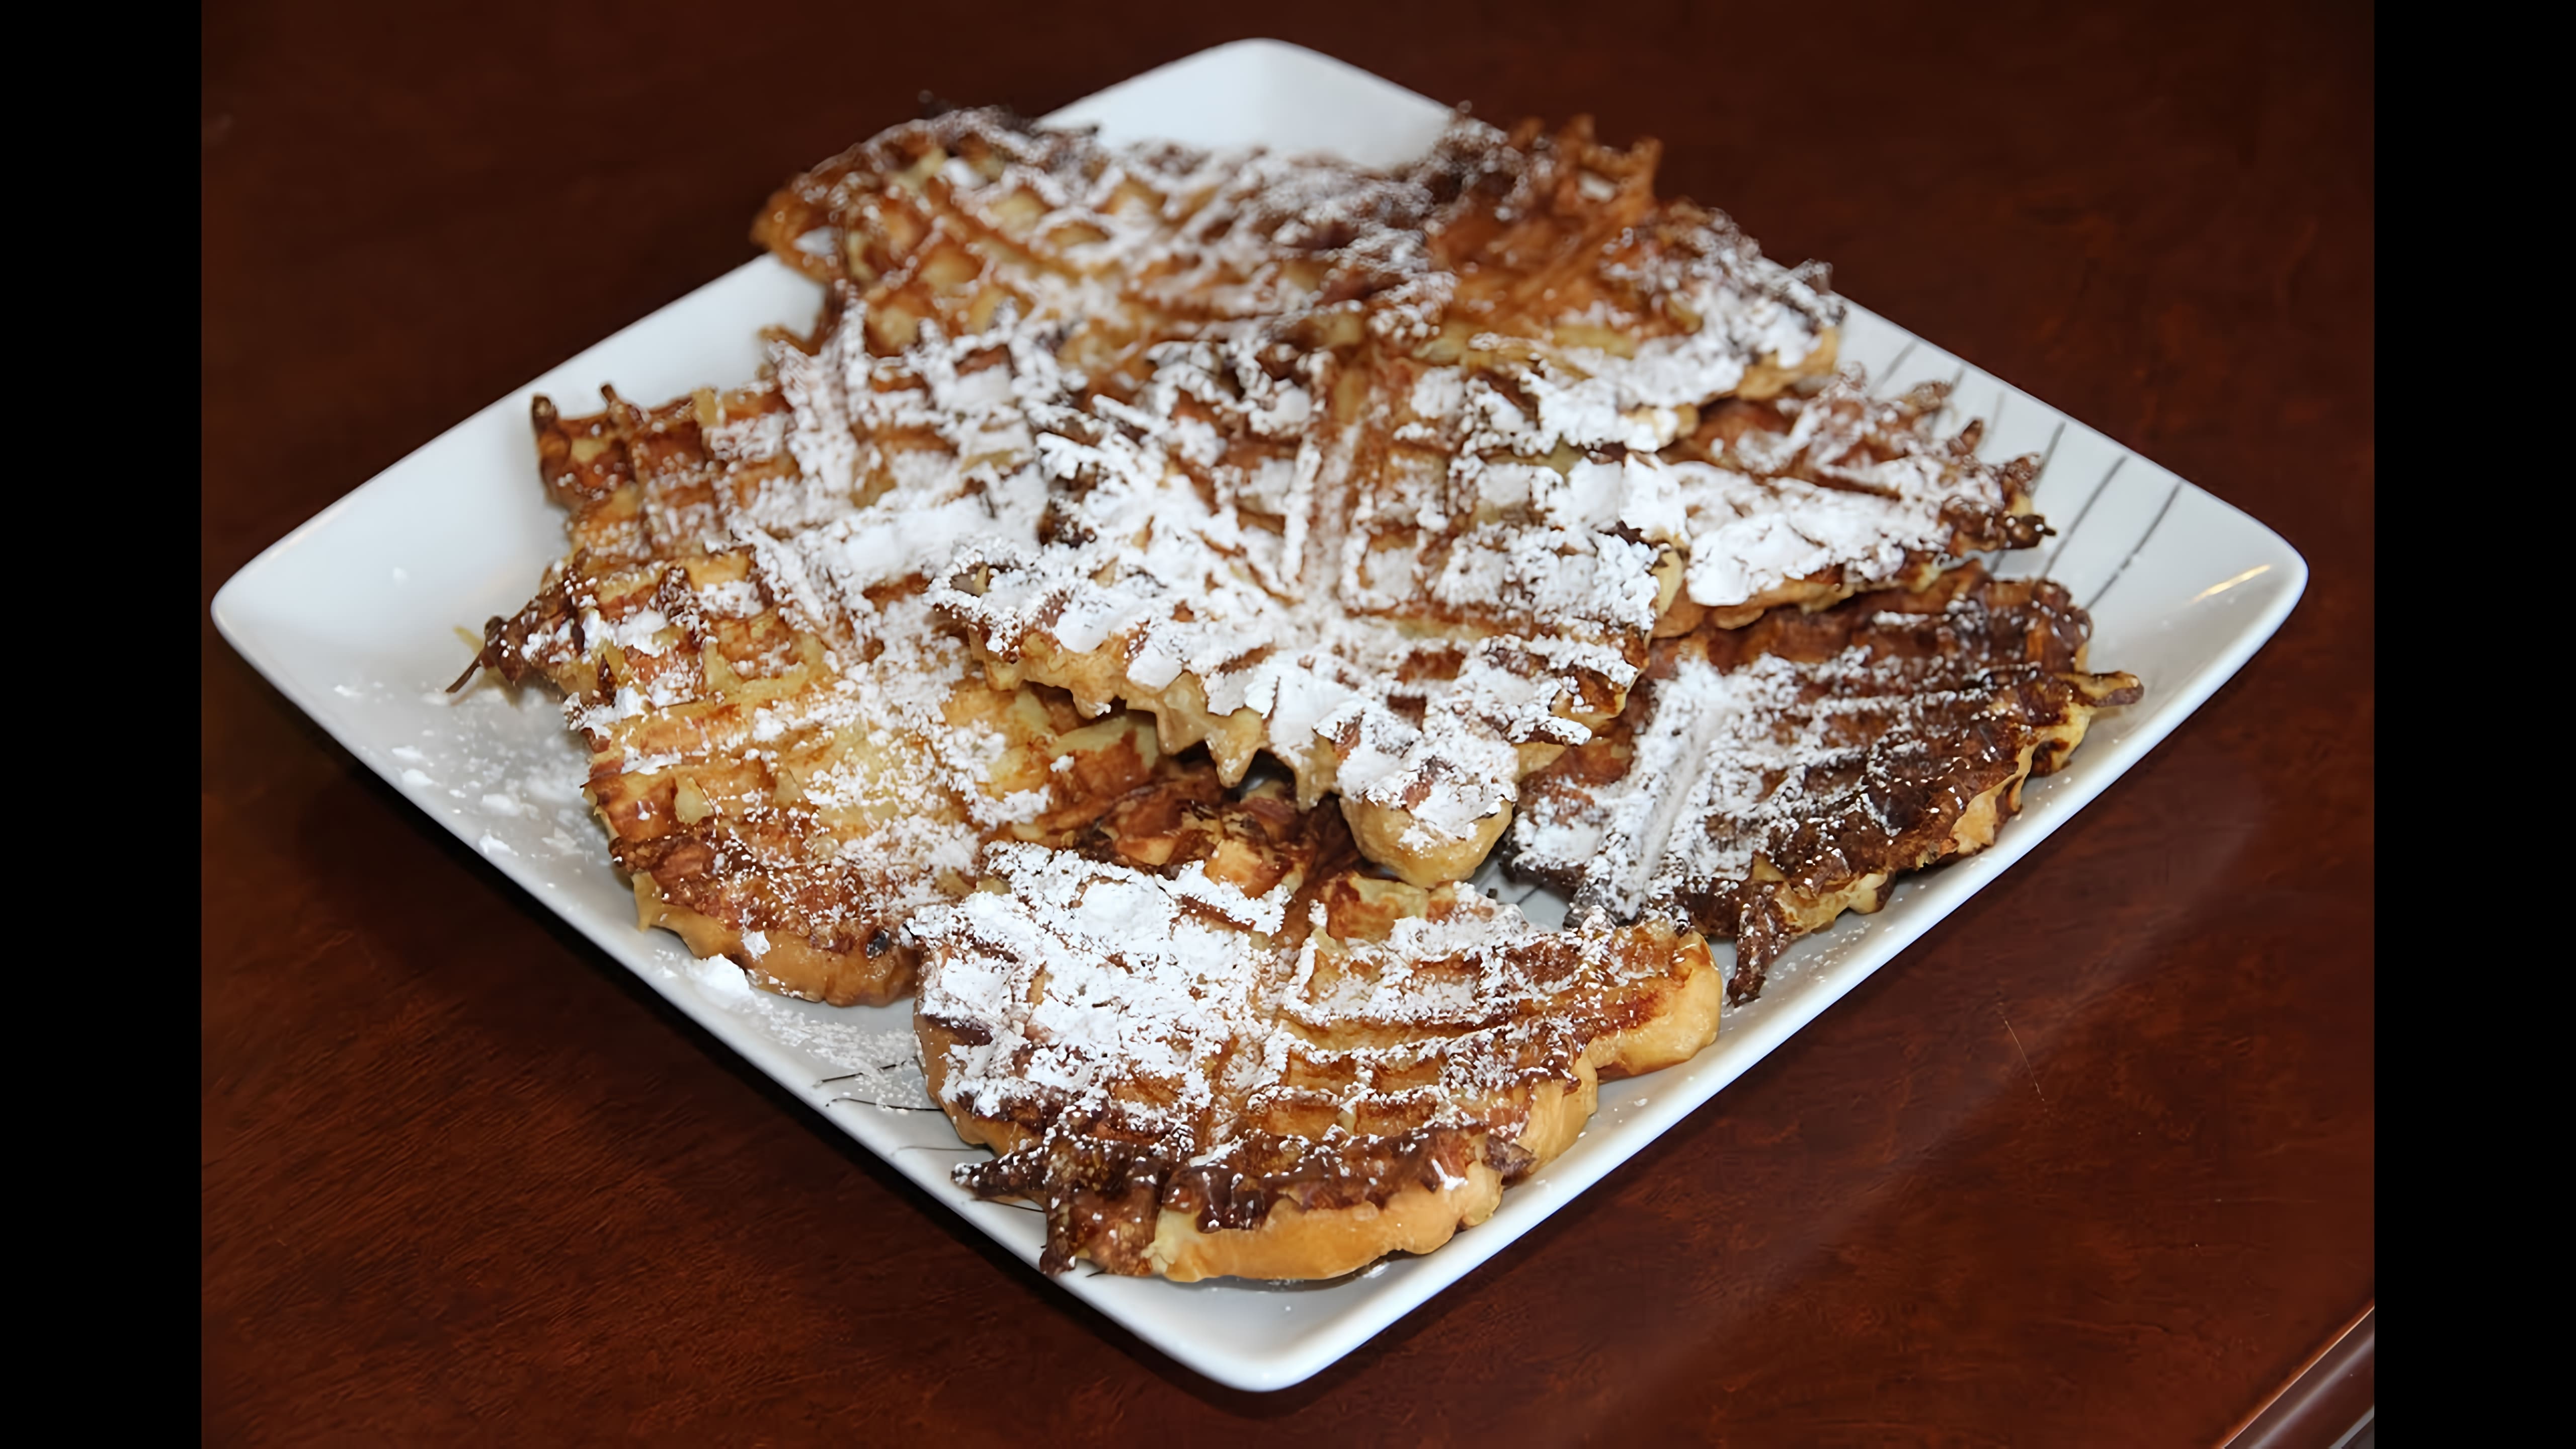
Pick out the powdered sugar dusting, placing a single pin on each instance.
(1080, 980)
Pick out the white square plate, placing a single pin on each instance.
(354, 617)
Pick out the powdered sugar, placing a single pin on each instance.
(1758, 796)
(1228, 438)
(1084, 984)
(1716, 746)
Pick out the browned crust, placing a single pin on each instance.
(713, 847)
(2031, 725)
(876, 973)
(2026, 702)
(1116, 1205)
(1461, 1189)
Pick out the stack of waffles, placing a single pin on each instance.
(1163, 578)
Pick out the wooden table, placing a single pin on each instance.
(2092, 1163)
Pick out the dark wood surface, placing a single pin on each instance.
(2093, 1163)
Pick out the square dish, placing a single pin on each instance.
(353, 616)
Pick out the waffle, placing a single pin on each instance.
(1491, 483)
(1392, 477)
(1542, 254)
(1201, 1055)
(1808, 500)
(1769, 778)
(791, 756)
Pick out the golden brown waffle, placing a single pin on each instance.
(1767, 779)
(1810, 499)
(1203, 1057)
(1516, 247)
(1489, 482)
(1395, 477)
(786, 771)
(1391, 476)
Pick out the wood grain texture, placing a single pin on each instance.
(2091, 1163)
